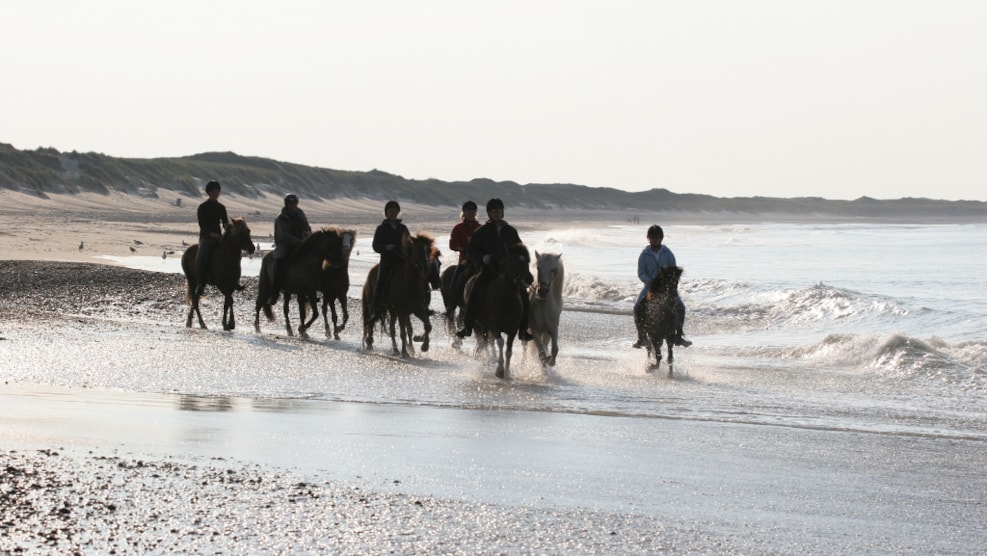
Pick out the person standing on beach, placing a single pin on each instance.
(459, 240)
(653, 258)
(488, 246)
(212, 222)
(291, 227)
(388, 241)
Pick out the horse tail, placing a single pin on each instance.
(268, 313)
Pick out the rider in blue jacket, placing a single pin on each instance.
(653, 258)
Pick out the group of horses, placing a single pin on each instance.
(320, 265)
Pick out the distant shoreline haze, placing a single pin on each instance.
(46, 171)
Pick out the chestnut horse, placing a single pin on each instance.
(223, 271)
(407, 294)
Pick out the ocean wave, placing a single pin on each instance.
(898, 357)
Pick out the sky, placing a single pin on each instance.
(835, 99)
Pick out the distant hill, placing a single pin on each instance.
(47, 171)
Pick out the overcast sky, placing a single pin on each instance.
(786, 98)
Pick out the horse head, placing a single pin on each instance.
(348, 239)
(516, 266)
(238, 234)
(666, 282)
(421, 253)
(549, 268)
(328, 243)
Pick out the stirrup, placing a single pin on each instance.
(524, 336)
(638, 344)
(681, 341)
(464, 333)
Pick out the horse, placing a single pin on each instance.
(661, 314)
(546, 305)
(499, 309)
(223, 271)
(335, 286)
(407, 294)
(302, 277)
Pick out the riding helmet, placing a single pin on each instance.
(390, 205)
(493, 204)
(290, 198)
(469, 205)
(212, 185)
(656, 231)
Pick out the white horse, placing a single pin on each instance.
(546, 305)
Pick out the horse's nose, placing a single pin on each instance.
(542, 290)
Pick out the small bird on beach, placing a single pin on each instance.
(138, 242)
(184, 244)
(81, 245)
(132, 250)
(164, 255)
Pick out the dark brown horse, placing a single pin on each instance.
(407, 294)
(661, 314)
(223, 271)
(302, 278)
(335, 286)
(499, 309)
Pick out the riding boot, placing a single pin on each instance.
(470, 314)
(680, 339)
(639, 324)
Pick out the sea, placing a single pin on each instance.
(867, 327)
(834, 397)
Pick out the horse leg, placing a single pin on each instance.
(508, 354)
(670, 357)
(539, 341)
(500, 356)
(325, 314)
(285, 308)
(229, 323)
(313, 304)
(346, 316)
(406, 333)
(555, 345)
(394, 342)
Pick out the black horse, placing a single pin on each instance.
(662, 314)
(335, 286)
(499, 306)
(302, 278)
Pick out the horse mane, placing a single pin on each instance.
(312, 241)
(659, 283)
(422, 237)
(235, 223)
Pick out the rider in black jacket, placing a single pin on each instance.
(490, 243)
(211, 215)
(388, 241)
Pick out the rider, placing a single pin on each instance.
(489, 245)
(211, 215)
(388, 241)
(653, 258)
(290, 229)
(459, 241)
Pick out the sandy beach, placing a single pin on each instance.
(122, 431)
